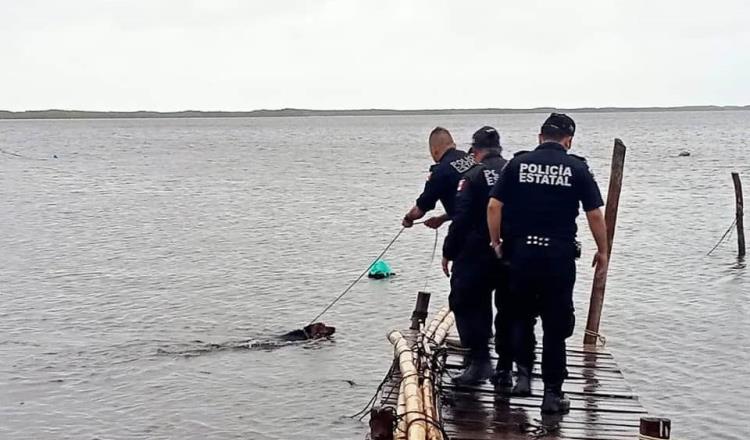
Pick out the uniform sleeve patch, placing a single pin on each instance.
(462, 165)
(491, 176)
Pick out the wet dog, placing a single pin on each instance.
(316, 330)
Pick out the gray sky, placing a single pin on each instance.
(248, 54)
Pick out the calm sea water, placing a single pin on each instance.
(146, 236)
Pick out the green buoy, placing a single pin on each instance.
(380, 269)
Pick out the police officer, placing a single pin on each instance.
(473, 262)
(535, 204)
(442, 181)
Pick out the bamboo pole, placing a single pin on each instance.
(610, 216)
(439, 316)
(400, 411)
(443, 328)
(430, 410)
(412, 394)
(739, 213)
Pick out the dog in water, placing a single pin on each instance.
(311, 332)
(316, 330)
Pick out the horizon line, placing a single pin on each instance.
(290, 111)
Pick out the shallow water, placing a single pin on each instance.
(147, 237)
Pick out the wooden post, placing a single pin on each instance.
(739, 206)
(420, 310)
(610, 217)
(655, 427)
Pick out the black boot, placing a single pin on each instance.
(554, 401)
(479, 371)
(523, 381)
(503, 377)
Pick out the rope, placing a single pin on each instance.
(729, 230)
(359, 277)
(598, 336)
(432, 260)
(369, 404)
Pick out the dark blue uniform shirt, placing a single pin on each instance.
(468, 232)
(541, 191)
(443, 181)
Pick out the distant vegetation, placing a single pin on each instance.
(78, 114)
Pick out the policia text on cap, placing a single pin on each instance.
(531, 218)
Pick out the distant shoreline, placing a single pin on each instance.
(287, 112)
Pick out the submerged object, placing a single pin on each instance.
(684, 154)
(380, 269)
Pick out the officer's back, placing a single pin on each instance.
(469, 228)
(548, 185)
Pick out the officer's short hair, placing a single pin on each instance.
(440, 131)
(558, 126)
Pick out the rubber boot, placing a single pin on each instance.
(554, 401)
(523, 381)
(479, 371)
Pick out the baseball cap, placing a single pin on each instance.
(559, 123)
(486, 137)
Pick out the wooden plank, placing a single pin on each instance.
(560, 429)
(490, 434)
(456, 362)
(572, 353)
(607, 404)
(507, 412)
(520, 416)
(574, 390)
(453, 343)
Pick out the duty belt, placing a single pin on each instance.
(537, 240)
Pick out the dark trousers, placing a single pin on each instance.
(541, 280)
(472, 282)
(504, 320)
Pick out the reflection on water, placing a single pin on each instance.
(145, 235)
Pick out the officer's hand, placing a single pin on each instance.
(600, 263)
(498, 249)
(434, 222)
(407, 222)
(446, 270)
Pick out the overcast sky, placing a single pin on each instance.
(325, 54)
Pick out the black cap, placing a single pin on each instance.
(559, 124)
(486, 137)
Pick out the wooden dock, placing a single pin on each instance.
(602, 404)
